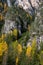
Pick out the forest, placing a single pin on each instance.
(21, 33)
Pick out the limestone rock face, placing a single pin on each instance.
(9, 25)
(29, 6)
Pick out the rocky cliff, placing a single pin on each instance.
(30, 6)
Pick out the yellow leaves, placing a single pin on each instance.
(31, 49)
(1, 50)
(17, 59)
(34, 43)
(3, 36)
(15, 31)
(14, 44)
(19, 49)
(28, 51)
(3, 47)
(4, 8)
(1, 17)
(34, 46)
